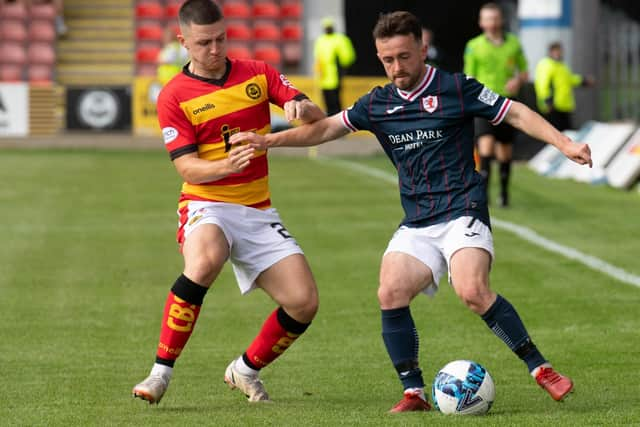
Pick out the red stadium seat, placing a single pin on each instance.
(41, 53)
(172, 9)
(291, 9)
(292, 54)
(13, 29)
(149, 10)
(292, 31)
(236, 9)
(266, 31)
(42, 11)
(40, 73)
(13, 53)
(239, 51)
(147, 54)
(13, 10)
(268, 53)
(10, 73)
(146, 70)
(42, 31)
(265, 9)
(149, 32)
(237, 30)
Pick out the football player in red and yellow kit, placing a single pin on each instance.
(225, 208)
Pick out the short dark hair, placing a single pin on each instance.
(554, 46)
(199, 12)
(492, 6)
(399, 23)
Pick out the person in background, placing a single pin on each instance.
(434, 55)
(495, 58)
(333, 53)
(554, 84)
(171, 58)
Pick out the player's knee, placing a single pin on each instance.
(393, 295)
(202, 270)
(475, 294)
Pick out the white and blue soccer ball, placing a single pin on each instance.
(463, 387)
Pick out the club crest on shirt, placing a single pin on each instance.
(430, 103)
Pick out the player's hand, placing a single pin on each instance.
(579, 153)
(240, 157)
(257, 142)
(297, 110)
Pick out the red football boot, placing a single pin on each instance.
(558, 386)
(411, 402)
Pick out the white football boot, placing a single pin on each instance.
(250, 385)
(152, 388)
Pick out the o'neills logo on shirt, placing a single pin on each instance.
(417, 135)
(203, 109)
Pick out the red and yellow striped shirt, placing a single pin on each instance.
(199, 115)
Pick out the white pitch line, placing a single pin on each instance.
(524, 233)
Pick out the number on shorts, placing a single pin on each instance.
(281, 230)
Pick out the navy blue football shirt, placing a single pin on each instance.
(428, 135)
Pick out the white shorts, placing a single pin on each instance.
(435, 245)
(257, 239)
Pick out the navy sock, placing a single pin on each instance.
(401, 339)
(505, 173)
(504, 321)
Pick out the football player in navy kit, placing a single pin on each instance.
(424, 121)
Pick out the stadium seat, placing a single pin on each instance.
(172, 9)
(292, 31)
(41, 30)
(268, 53)
(13, 53)
(238, 30)
(42, 11)
(146, 70)
(13, 10)
(239, 51)
(236, 9)
(13, 30)
(147, 54)
(265, 9)
(149, 32)
(41, 53)
(40, 73)
(10, 73)
(292, 54)
(266, 31)
(151, 10)
(291, 9)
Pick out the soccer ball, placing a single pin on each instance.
(463, 387)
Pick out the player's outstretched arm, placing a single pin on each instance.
(195, 170)
(533, 124)
(316, 133)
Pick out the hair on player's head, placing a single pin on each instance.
(399, 23)
(199, 12)
(491, 6)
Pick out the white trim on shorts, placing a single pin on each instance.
(435, 245)
(257, 238)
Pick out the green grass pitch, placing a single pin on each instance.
(88, 255)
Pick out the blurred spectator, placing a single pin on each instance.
(171, 58)
(554, 85)
(495, 58)
(434, 56)
(333, 53)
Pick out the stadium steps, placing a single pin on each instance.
(98, 48)
(44, 115)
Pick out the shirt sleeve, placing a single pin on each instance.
(356, 117)
(481, 101)
(280, 88)
(178, 133)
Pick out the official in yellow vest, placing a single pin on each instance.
(333, 53)
(171, 58)
(554, 84)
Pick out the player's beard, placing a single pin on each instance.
(408, 81)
